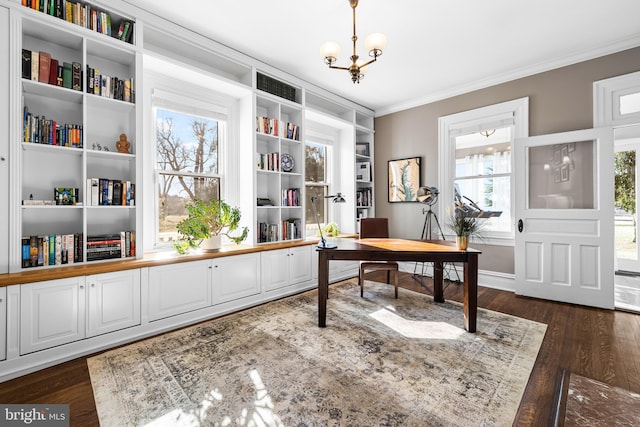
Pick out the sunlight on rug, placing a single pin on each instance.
(379, 361)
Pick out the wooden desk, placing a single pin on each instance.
(436, 251)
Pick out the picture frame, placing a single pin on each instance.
(404, 179)
(362, 149)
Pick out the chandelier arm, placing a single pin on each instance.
(335, 67)
(367, 63)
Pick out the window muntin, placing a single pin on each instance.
(187, 164)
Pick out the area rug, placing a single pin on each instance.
(380, 361)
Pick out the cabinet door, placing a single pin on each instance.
(114, 301)
(235, 277)
(300, 264)
(4, 142)
(3, 323)
(275, 269)
(178, 288)
(51, 313)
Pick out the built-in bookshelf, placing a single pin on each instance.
(74, 106)
(279, 169)
(364, 197)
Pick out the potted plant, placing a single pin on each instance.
(206, 223)
(465, 224)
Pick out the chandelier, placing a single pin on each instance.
(374, 44)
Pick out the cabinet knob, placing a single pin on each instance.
(2, 158)
(81, 286)
(93, 285)
(0, 299)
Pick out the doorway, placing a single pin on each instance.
(627, 243)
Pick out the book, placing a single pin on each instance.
(53, 72)
(67, 75)
(26, 252)
(26, 64)
(35, 64)
(44, 64)
(76, 76)
(117, 193)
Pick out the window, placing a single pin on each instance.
(483, 175)
(187, 164)
(317, 161)
(475, 153)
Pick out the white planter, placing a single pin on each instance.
(212, 243)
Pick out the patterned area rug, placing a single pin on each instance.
(379, 361)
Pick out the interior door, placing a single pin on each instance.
(564, 217)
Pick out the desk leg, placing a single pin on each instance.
(471, 292)
(438, 279)
(323, 287)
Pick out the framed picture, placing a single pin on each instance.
(362, 149)
(404, 179)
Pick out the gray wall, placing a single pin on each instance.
(559, 100)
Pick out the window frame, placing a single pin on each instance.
(325, 140)
(515, 112)
(186, 105)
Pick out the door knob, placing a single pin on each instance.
(520, 225)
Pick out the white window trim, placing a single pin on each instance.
(321, 138)
(606, 99)
(515, 111)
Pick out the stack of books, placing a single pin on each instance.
(111, 246)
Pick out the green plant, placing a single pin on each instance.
(330, 229)
(465, 223)
(207, 219)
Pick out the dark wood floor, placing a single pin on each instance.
(599, 344)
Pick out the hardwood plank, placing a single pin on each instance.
(600, 344)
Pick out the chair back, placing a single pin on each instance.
(374, 228)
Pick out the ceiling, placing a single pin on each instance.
(435, 49)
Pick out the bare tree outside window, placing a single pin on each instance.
(316, 184)
(187, 163)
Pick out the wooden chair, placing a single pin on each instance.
(376, 228)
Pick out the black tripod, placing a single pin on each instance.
(427, 234)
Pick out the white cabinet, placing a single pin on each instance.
(61, 311)
(283, 267)
(4, 144)
(235, 277)
(113, 301)
(3, 323)
(178, 288)
(51, 313)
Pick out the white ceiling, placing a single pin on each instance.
(435, 49)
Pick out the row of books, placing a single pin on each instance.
(267, 232)
(110, 192)
(108, 86)
(38, 251)
(83, 15)
(268, 126)
(290, 197)
(268, 161)
(271, 127)
(364, 197)
(41, 67)
(111, 246)
(40, 130)
(292, 229)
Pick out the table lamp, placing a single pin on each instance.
(336, 198)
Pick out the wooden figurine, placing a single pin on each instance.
(123, 145)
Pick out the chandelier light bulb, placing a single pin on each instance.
(375, 43)
(330, 51)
